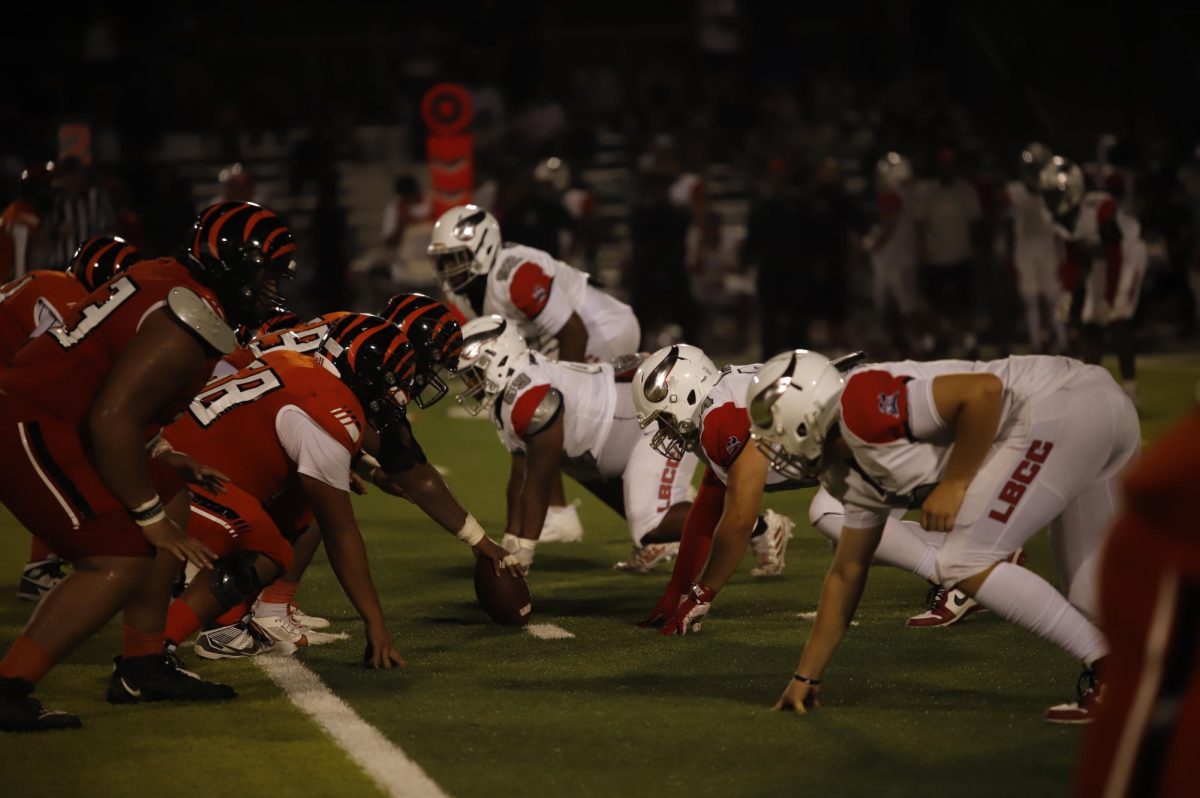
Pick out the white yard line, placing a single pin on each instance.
(384, 761)
(548, 631)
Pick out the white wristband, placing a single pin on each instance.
(471, 532)
(365, 467)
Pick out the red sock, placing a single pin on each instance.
(136, 643)
(39, 551)
(26, 660)
(182, 622)
(279, 592)
(233, 614)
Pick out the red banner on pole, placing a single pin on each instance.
(446, 109)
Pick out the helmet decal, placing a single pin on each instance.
(656, 387)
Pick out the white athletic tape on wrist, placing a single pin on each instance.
(471, 532)
(365, 467)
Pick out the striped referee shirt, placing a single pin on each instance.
(89, 214)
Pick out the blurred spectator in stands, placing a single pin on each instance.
(948, 217)
(406, 206)
(401, 262)
(1034, 250)
(532, 214)
(771, 249)
(892, 245)
(1188, 247)
(22, 232)
(79, 211)
(832, 226)
(659, 280)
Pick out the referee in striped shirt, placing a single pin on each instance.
(80, 211)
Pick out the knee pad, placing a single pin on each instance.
(234, 578)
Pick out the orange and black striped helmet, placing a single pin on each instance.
(240, 250)
(99, 258)
(376, 361)
(435, 334)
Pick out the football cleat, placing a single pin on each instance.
(1083, 709)
(303, 619)
(946, 607)
(770, 546)
(279, 627)
(645, 559)
(562, 525)
(160, 677)
(21, 712)
(39, 578)
(230, 642)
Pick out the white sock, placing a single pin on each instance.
(264, 609)
(1021, 596)
(904, 544)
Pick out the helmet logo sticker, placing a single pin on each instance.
(656, 388)
(464, 230)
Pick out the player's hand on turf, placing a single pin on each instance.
(358, 484)
(799, 697)
(168, 537)
(691, 611)
(195, 473)
(489, 549)
(942, 505)
(381, 653)
(664, 609)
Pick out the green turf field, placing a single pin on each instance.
(488, 711)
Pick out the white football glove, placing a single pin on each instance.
(520, 548)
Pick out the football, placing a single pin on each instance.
(505, 598)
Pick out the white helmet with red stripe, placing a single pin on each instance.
(464, 244)
(492, 349)
(669, 388)
(793, 403)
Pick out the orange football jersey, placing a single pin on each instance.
(61, 372)
(25, 302)
(230, 425)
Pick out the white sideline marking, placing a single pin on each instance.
(812, 616)
(382, 759)
(548, 631)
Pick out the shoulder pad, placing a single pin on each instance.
(547, 410)
(199, 317)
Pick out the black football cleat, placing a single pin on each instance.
(21, 712)
(160, 677)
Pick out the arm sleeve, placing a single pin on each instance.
(923, 420)
(315, 452)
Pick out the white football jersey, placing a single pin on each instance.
(1033, 227)
(541, 293)
(725, 424)
(899, 443)
(589, 398)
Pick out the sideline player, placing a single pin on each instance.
(1106, 260)
(1034, 248)
(990, 452)
(555, 416)
(76, 409)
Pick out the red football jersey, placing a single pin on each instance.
(62, 371)
(25, 302)
(231, 423)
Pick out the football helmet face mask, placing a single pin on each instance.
(464, 244)
(99, 258)
(793, 403)
(1062, 187)
(241, 251)
(435, 334)
(376, 362)
(492, 349)
(1033, 160)
(669, 388)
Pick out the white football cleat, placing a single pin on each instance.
(1082, 710)
(946, 607)
(280, 627)
(232, 641)
(770, 546)
(645, 559)
(39, 578)
(562, 525)
(303, 619)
